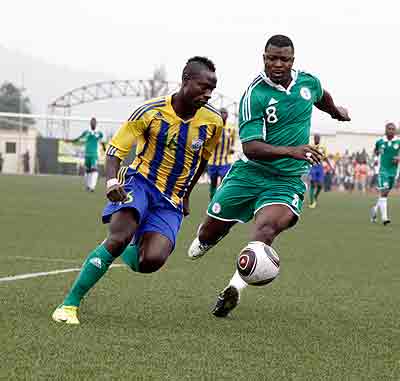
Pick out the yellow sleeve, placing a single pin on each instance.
(210, 145)
(125, 138)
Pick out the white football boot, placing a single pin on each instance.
(197, 249)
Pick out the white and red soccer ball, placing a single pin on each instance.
(258, 264)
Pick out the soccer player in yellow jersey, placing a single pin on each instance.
(175, 137)
(317, 173)
(222, 158)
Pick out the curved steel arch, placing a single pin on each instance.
(113, 89)
(145, 89)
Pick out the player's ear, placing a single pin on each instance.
(185, 78)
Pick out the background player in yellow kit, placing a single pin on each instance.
(222, 158)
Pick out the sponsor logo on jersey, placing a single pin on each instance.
(216, 208)
(272, 101)
(305, 93)
(196, 144)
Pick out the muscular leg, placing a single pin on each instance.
(213, 230)
(270, 221)
(122, 227)
(154, 250)
(209, 234)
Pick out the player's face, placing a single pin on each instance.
(390, 130)
(278, 63)
(198, 88)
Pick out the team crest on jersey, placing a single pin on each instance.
(216, 208)
(196, 144)
(395, 146)
(305, 93)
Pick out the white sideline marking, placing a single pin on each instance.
(45, 259)
(35, 275)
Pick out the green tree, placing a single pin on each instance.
(12, 100)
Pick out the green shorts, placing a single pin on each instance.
(245, 190)
(90, 163)
(386, 181)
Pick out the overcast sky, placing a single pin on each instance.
(352, 46)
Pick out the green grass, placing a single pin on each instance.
(333, 314)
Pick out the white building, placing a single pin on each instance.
(14, 143)
(348, 140)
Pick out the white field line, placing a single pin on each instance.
(43, 259)
(36, 275)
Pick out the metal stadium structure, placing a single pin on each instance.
(142, 89)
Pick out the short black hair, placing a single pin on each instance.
(280, 41)
(195, 64)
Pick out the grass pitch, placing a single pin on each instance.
(333, 314)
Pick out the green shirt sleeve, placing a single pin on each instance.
(80, 137)
(251, 118)
(318, 90)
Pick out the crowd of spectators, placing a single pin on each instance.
(357, 171)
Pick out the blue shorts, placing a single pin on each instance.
(218, 170)
(156, 213)
(317, 173)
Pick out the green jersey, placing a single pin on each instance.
(91, 139)
(387, 151)
(280, 117)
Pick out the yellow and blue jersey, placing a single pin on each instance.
(169, 149)
(223, 154)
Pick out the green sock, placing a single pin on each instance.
(312, 190)
(95, 266)
(319, 188)
(213, 189)
(130, 256)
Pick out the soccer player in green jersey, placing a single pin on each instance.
(91, 139)
(274, 129)
(388, 150)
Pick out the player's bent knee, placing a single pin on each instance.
(151, 262)
(117, 242)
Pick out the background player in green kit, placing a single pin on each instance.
(274, 121)
(388, 150)
(91, 139)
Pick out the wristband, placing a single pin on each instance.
(112, 182)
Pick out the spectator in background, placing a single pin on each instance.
(1, 162)
(361, 174)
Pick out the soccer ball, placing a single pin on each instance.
(258, 264)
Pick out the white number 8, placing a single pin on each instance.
(271, 114)
(296, 200)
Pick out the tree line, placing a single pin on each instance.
(13, 100)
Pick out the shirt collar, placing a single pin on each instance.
(280, 87)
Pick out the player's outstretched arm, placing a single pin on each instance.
(327, 105)
(114, 190)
